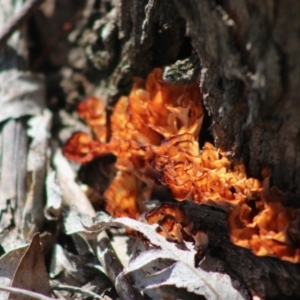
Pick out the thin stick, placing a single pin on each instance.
(19, 291)
(16, 21)
(63, 287)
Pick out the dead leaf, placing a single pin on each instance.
(78, 292)
(121, 243)
(21, 94)
(211, 285)
(8, 265)
(31, 273)
(172, 264)
(71, 191)
(11, 239)
(73, 196)
(72, 269)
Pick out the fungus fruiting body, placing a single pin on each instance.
(154, 135)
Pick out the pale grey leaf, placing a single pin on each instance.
(155, 268)
(38, 131)
(72, 193)
(211, 285)
(21, 94)
(74, 220)
(54, 196)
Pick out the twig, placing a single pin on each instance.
(63, 287)
(25, 292)
(16, 21)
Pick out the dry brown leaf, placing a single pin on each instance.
(31, 273)
(8, 265)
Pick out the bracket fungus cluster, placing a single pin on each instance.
(154, 132)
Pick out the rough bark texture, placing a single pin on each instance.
(249, 52)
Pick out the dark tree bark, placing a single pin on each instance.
(249, 52)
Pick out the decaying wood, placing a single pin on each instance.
(266, 276)
(130, 38)
(13, 142)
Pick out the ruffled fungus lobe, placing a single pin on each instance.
(267, 228)
(154, 135)
(174, 226)
(205, 177)
(153, 111)
(121, 196)
(92, 111)
(82, 148)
